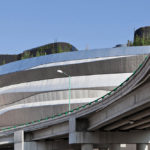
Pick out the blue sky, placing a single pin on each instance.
(25, 24)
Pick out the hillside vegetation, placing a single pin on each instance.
(47, 49)
(141, 37)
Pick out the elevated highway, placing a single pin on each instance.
(122, 116)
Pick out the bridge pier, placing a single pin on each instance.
(19, 140)
(79, 138)
(78, 134)
(21, 144)
(141, 146)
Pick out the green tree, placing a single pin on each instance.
(53, 51)
(37, 53)
(129, 43)
(137, 41)
(4, 62)
(60, 49)
(26, 55)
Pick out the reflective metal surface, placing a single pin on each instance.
(68, 56)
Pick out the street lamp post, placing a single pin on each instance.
(62, 72)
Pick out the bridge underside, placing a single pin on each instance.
(120, 117)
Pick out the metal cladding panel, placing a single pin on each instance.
(68, 56)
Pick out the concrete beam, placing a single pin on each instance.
(125, 121)
(83, 138)
(51, 132)
(136, 123)
(106, 138)
(147, 125)
(125, 106)
(6, 140)
(124, 137)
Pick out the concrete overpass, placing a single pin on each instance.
(120, 117)
(32, 89)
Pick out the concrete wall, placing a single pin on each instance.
(25, 115)
(124, 65)
(22, 98)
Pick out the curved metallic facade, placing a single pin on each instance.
(32, 88)
(68, 56)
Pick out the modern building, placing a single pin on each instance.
(32, 89)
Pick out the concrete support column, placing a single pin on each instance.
(19, 140)
(87, 147)
(141, 146)
(114, 147)
(20, 144)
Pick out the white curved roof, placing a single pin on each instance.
(69, 56)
